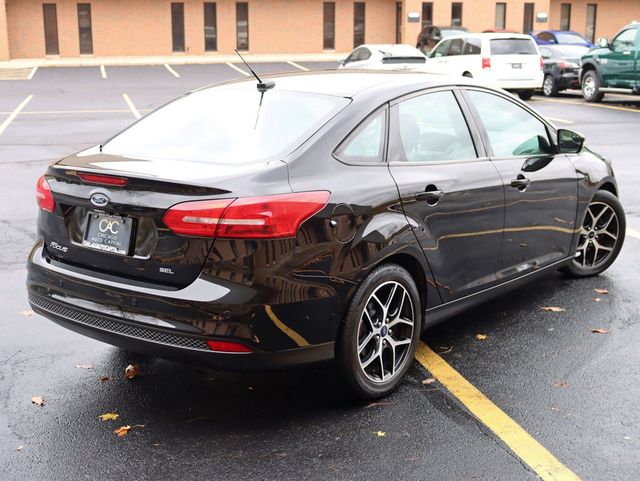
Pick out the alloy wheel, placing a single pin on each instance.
(547, 86)
(385, 332)
(598, 235)
(589, 86)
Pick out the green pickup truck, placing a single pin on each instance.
(612, 65)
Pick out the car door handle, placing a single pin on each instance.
(431, 196)
(520, 183)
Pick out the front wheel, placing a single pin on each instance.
(525, 94)
(380, 334)
(549, 86)
(591, 87)
(601, 236)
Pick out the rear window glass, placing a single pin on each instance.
(227, 126)
(570, 38)
(513, 46)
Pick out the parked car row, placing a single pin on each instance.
(549, 60)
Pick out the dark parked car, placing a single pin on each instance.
(560, 37)
(561, 67)
(331, 216)
(431, 35)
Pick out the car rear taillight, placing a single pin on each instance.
(44, 197)
(541, 63)
(226, 346)
(266, 217)
(103, 179)
(486, 63)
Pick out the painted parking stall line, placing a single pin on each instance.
(32, 73)
(562, 121)
(132, 107)
(14, 114)
(237, 69)
(633, 233)
(530, 451)
(171, 70)
(293, 64)
(103, 71)
(587, 104)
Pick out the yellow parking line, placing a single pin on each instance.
(586, 104)
(293, 64)
(238, 69)
(32, 73)
(103, 71)
(562, 121)
(530, 451)
(633, 233)
(14, 114)
(132, 107)
(173, 72)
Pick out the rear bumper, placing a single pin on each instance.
(177, 324)
(568, 80)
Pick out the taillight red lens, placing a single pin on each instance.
(226, 346)
(267, 217)
(103, 179)
(44, 197)
(542, 63)
(486, 63)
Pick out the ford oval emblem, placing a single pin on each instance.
(99, 200)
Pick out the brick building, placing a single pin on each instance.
(70, 28)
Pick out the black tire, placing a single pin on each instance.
(591, 87)
(367, 382)
(585, 262)
(549, 86)
(525, 94)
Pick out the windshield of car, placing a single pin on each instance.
(227, 125)
(513, 46)
(570, 38)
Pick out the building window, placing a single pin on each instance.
(527, 25)
(427, 14)
(242, 26)
(592, 10)
(358, 23)
(210, 27)
(329, 26)
(84, 28)
(456, 14)
(177, 26)
(501, 15)
(565, 16)
(50, 28)
(398, 22)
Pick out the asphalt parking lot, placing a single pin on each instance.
(571, 395)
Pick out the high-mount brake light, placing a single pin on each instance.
(103, 179)
(264, 217)
(44, 197)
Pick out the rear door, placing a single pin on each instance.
(451, 193)
(540, 186)
(514, 58)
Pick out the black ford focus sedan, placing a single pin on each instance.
(317, 216)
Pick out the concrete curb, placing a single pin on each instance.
(177, 59)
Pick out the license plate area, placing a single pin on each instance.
(517, 66)
(108, 233)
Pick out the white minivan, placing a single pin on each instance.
(509, 60)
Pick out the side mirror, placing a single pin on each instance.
(602, 43)
(569, 142)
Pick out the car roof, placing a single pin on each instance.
(634, 24)
(491, 35)
(394, 50)
(350, 83)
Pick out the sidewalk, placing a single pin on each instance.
(176, 59)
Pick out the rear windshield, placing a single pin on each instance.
(513, 46)
(226, 125)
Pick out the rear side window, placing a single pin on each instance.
(512, 130)
(227, 126)
(430, 128)
(513, 46)
(366, 143)
(472, 47)
(455, 47)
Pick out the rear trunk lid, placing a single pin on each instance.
(118, 230)
(514, 58)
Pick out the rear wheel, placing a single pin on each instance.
(601, 236)
(525, 94)
(591, 87)
(549, 86)
(380, 334)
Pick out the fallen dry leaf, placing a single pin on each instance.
(122, 431)
(552, 309)
(26, 313)
(481, 337)
(597, 299)
(132, 370)
(84, 366)
(380, 434)
(429, 380)
(562, 384)
(104, 378)
(601, 291)
(108, 417)
(600, 331)
(39, 400)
